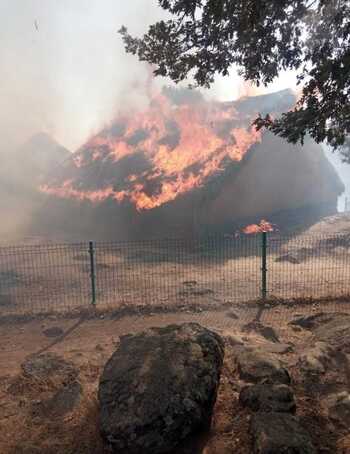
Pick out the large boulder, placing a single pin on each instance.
(159, 387)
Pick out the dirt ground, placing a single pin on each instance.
(87, 342)
(45, 278)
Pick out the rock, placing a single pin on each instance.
(159, 387)
(196, 291)
(343, 444)
(55, 331)
(190, 283)
(255, 343)
(290, 257)
(314, 321)
(62, 402)
(48, 365)
(266, 331)
(297, 329)
(258, 367)
(279, 433)
(336, 332)
(338, 406)
(234, 340)
(331, 344)
(277, 349)
(316, 359)
(232, 315)
(268, 398)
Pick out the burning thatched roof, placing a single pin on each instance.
(188, 161)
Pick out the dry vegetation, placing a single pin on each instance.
(87, 342)
(46, 278)
(152, 288)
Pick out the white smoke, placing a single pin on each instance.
(63, 66)
(64, 70)
(343, 170)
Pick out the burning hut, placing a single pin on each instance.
(187, 165)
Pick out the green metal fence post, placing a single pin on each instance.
(92, 272)
(264, 265)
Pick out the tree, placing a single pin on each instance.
(202, 38)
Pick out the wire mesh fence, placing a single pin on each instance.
(172, 273)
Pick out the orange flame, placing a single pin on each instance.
(183, 145)
(263, 226)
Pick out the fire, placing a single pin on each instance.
(263, 226)
(179, 147)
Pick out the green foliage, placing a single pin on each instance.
(262, 37)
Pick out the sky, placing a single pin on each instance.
(64, 70)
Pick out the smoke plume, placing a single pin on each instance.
(64, 69)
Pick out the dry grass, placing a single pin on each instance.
(58, 279)
(88, 343)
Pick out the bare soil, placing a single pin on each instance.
(46, 278)
(88, 341)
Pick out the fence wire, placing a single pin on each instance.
(309, 266)
(171, 273)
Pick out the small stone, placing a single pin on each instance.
(234, 340)
(266, 331)
(259, 367)
(278, 349)
(312, 321)
(316, 359)
(297, 329)
(289, 257)
(268, 398)
(62, 402)
(338, 406)
(277, 433)
(55, 331)
(232, 315)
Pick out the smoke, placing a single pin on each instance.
(343, 170)
(64, 69)
(64, 72)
